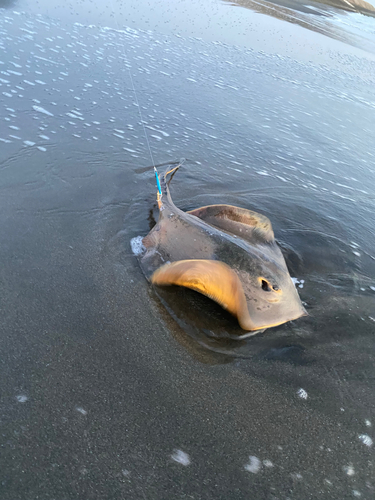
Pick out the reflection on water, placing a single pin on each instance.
(320, 8)
(322, 17)
(223, 21)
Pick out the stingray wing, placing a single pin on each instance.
(212, 278)
(246, 224)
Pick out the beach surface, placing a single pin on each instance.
(113, 389)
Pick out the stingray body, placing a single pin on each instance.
(226, 253)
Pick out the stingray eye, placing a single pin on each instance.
(266, 286)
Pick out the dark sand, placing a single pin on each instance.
(112, 390)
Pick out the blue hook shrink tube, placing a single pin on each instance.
(157, 181)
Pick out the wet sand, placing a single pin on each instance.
(111, 389)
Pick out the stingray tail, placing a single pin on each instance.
(164, 183)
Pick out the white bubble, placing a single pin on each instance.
(296, 475)
(254, 465)
(180, 457)
(137, 245)
(302, 393)
(365, 438)
(22, 398)
(42, 110)
(298, 282)
(349, 470)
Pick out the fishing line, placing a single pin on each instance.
(159, 194)
(137, 102)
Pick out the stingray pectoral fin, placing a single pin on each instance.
(212, 278)
(239, 221)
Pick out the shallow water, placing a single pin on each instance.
(111, 389)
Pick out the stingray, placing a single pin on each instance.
(224, 252)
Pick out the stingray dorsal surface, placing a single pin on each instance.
(239, 221)
(227, 253)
